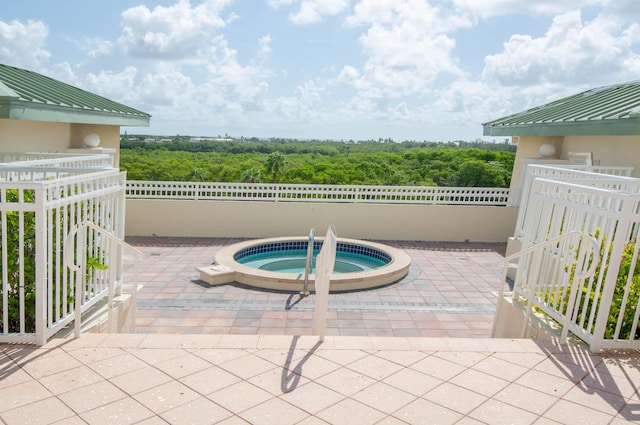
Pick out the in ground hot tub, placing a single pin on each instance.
(279, 263)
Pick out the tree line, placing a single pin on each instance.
(462, 164)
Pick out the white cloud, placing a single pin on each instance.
(115, 85)
(418, 13)
(302, 106)
(349, 76)
(469, 103)
(24, 45)
(311, 11)
(279, 3)
(180, 65)
(64, 72)
(314, 10)
(227, 92)
(626, 10)
(194, 75)
(99, 47)
(487, 8)
(411, 76)
(408, 46)
(571, 53)
(264, 51)
(238, 84)
(179, 31)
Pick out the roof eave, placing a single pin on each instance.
(20, 110)
(618, 127)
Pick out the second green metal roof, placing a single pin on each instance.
(609, 110)
(27, 95)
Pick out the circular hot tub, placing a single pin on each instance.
(279, 263)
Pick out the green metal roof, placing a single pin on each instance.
(609, 110)
(27, 95)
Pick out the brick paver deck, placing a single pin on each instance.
(450, 291)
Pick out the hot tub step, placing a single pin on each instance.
(216, 274)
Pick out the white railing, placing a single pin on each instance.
(62, 160)
(24, 167)
(605, 307)
(83, 284)
(549, 276)
(307, 268)
(613, 178)
(36, 214)
(274, 192)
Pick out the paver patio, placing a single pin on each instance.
(415, 352)
(451, 290)
(280, 379)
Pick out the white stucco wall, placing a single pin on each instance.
(622, 151)
(529, 147)
(38, 136)
(360, 221)
(33, 136)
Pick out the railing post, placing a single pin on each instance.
(112, 279)
(80, 277)
(41, 262)
(305, 289)
(613, 268)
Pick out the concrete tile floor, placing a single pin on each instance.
(280, 379)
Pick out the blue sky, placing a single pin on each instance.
(326, 69)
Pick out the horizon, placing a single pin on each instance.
(229, 137)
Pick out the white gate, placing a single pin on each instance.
(41, 200)
(602, 309)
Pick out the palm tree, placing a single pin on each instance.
(251, 175)
(275, 165)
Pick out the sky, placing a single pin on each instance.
(326, 69)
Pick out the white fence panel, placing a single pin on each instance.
(279, 192)
(39, 206)
(604, 308)
(613, 178)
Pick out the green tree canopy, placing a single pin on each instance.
(320, 162)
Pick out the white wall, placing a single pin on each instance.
(361, 221)
(622, 151)
(51, 137)
(33, 136)
(529, 147)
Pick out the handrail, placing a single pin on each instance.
(80, 229)
(538, 247)
(324, 269)
(310, 245)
